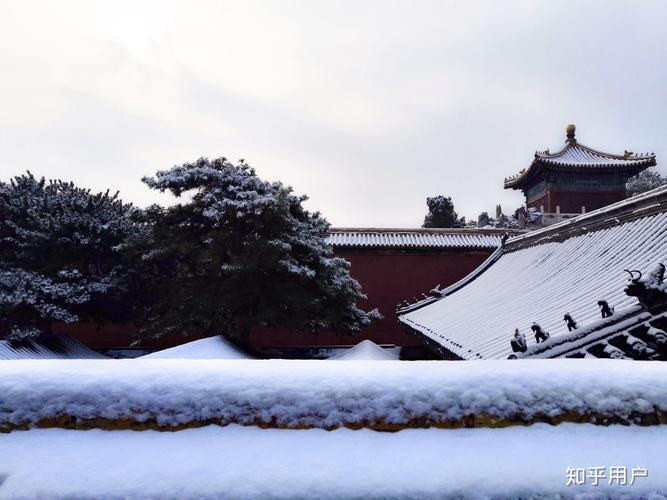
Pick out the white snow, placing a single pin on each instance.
(540, 284)
(244, 462)
(622, 320)
(58, 347)
(320, 394)
(576, 154)
(366, 350)
(413, 238)
(439, 293)
(215, 347)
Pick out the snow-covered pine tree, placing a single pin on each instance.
(441, 213)
(644, 181)
(59, 254)
(239, 253)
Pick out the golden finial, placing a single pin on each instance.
(569, 130)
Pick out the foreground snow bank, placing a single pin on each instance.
(243, 462)
(390, 395)
(209, 348)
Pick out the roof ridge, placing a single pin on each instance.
(419, 230)
(573, 143)
(580, 157)
(482, 239)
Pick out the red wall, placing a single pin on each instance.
(572, 201)
(115, 336)
(542, 201)
(387, 278)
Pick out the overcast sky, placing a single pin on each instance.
(366, 107)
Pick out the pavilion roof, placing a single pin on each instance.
(575, 156)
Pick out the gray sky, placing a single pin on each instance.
(367, 107)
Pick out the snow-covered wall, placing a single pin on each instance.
(155, 393)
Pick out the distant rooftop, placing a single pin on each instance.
(51, 347)
(575, 156)
(415, 238)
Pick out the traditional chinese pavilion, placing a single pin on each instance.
(577, 178)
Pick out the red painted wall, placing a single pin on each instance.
(542, 201)
(572, 201)
(115, 336)
(387, 278)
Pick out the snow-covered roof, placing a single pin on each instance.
(56, 347)
(578, 157)
(542, 275)
(415, 238)
(630, 333)
(576, 154)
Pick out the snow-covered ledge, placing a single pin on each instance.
(164, 394)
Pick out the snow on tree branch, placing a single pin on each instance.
(59, 249)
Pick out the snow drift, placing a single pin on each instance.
(209, 348)
(248, 463)
(366, 350)
(172, 394)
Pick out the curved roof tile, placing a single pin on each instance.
(576, 156)
(545, 274)
(413, 238)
